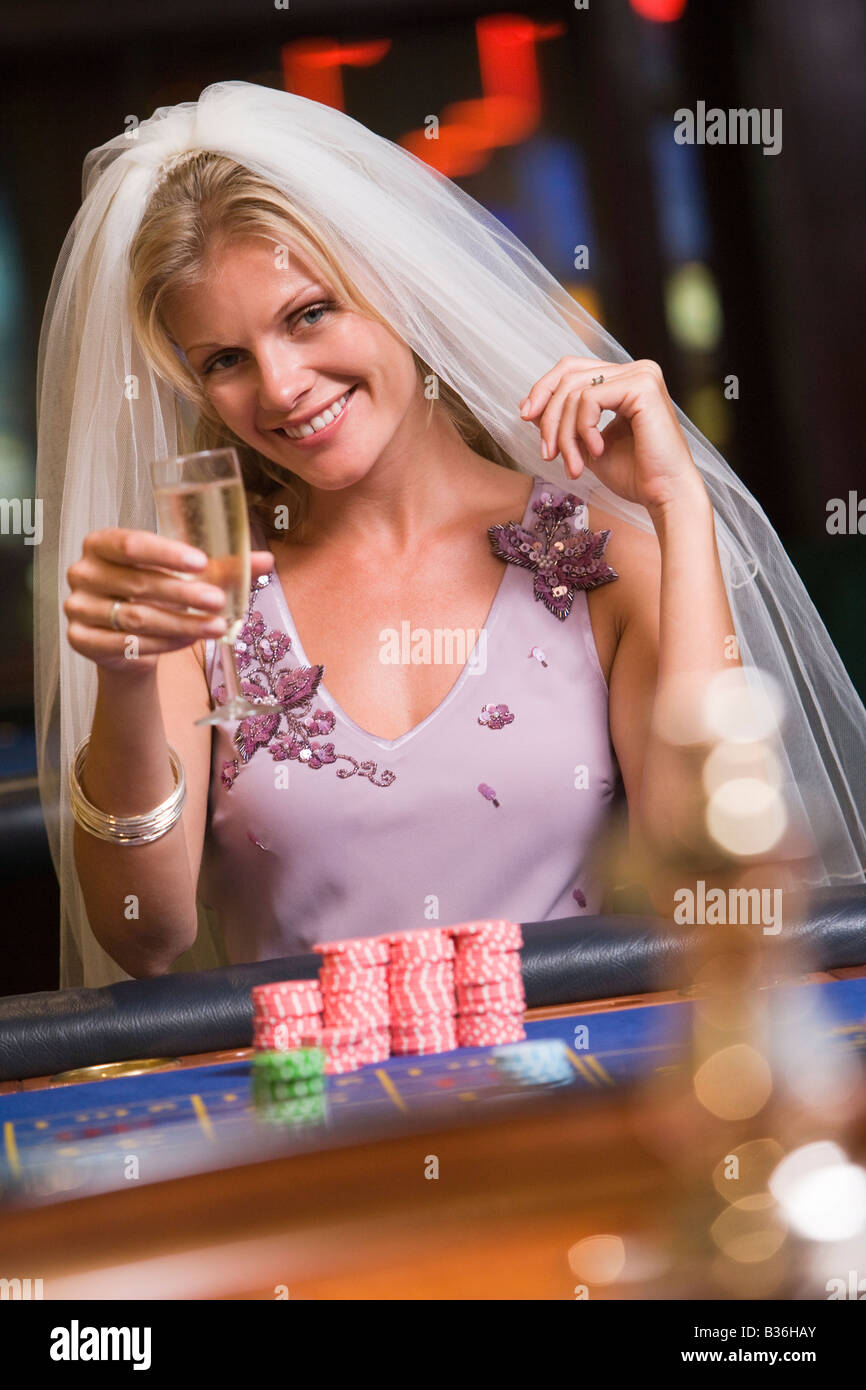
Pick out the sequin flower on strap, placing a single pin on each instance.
(495, 716)
(295, 731)
(563, 559)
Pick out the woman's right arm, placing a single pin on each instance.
(141, 899)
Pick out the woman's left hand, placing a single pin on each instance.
(642, 455)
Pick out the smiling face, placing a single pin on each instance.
(272, 349)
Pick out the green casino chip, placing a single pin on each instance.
(274, 1088)
(292, 1065)
(308, 1110)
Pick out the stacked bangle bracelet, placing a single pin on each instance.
(126, 830)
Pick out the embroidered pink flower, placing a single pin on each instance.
(578, 897)
(228, 773)
(316, 755)
(495, 716)
(321, 721)
(538, 654)
(289, 734)
(488, 793)
(564, 560)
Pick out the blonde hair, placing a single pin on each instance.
(208, 200)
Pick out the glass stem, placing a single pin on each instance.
(231, 679)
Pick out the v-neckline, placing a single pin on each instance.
(388, 743)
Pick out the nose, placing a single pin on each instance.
(283, 380)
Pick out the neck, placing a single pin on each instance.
(407, 496)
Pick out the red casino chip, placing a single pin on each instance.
(433, 974)
(376, 1047)
(293, 1020)
(434, 1028)
(433, 1020)
(348, 1011)
(411, 1044)
(344, 979)
(430, 944)
(498, 996)
(371, 950)
(375, 998)
(260, 1016)
(501, 934)
(282, 1037)
(284, 987)
(338, 1063)
(415, 1040)
(342, 1037)
(298, 1023)
(481, 965)
(287, 998)
(488, 1030)
(410, 1003)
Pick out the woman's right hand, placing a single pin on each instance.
(130, 566)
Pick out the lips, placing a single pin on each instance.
(327, 429)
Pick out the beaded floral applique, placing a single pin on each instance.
(292, 733)
(563, 559)
(495, 716)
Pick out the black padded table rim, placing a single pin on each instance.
(570, 960)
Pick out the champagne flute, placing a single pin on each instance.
(200, 500)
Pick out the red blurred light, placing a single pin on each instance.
(507, 113)
(662, 11)
(312, 68)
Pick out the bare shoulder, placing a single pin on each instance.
(506, 491)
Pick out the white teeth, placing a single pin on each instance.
(318, 422)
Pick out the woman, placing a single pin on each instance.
(228, 226)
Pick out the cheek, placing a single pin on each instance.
(233, 403)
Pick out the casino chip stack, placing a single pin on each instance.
(543, 1062)
(354, 981)
(284, 1012)
(490, 997)
(289, 1087)
(421, 992)
(288, 1079)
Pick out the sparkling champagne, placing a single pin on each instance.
(200, 500)
(212, 516)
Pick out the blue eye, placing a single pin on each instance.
(322, 307)
(209, 368)
(314, 309)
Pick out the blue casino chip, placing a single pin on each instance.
(542, 1063)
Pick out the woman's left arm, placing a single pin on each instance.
(675, 620)
(676, 623)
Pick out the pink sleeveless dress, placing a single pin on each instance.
(490, 807)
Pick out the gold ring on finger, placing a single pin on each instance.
(114, 610)
(597, 381)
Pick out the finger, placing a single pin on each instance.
(98, 576)
(99, 644)
(142, 619)
(545, 386)
(122, 546)
(261, 561)
(569, 445)
(551, 419)
(589, 412)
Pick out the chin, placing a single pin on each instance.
(331, 476)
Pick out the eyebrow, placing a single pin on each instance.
(310, 285)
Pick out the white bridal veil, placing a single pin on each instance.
(486, 316)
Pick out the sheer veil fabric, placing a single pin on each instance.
(486, 316)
